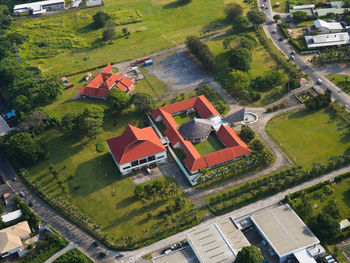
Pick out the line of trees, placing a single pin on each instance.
(202, 52)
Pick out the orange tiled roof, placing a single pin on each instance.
(235, 147)
(134, 144)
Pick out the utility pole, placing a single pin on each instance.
(14, 46)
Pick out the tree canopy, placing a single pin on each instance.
(247, 134)
(256, 17)
(101, 18)
(249, 254)
(232, 11)
(236, 81)
(91, 121)
(118, 100)
(240, 59)
(324, 226)
(143, 102)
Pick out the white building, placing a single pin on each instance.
(11, 238)
(327, 27)
(327, 40)
(136, 149)
(219, 242)
(38, 8)
(287, 235)
(11, 216)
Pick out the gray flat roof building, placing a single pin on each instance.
(284, 231)
(217, 243)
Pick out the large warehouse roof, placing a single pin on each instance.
(217, 243)
(284, 230)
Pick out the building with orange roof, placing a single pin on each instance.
(210, 122)
(104, 82)
(136, 149)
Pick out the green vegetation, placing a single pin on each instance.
(249, 254)
(306, 136)
(182, 118)
(151, 85)
(282, 8)
(73, 256)
(341, 80)
(70, 42)
(45, 248)
(211, 145)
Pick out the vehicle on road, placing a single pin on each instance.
(102, 254)
(292, 57)
(95, 244)
(274, 31)
(293, 52)
(319, 81)
(262, 6)
(30, 203)
(280, 39)
(119, 255)
(21, 194)
(14, 179)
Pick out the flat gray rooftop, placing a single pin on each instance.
(217, 243)
(181, 256)
(284, 230)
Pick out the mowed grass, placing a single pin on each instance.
(182, 118)
(282, 8)
(211, 145)
(68, 42)
(341, 80)
(310, 136)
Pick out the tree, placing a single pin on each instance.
(118, 100)
(207, 91)
(247, 134)
(35, 123)
(276, 18)
(332, 208)
(257, 146)
(69, 122)
(256, 17)
(250, 254)
(139, 192)
(240, 59)
(125, 31)
(201, 51)
(108, 34)
(236, 81)
(240, 24)
(143, 102)
(300, 16)
(91, 121)
(101, 18)
(21, 148)
(325, 226)
(232, 11)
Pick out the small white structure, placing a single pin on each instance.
(38, 8)
(300, 7)
(92, 3)
(344, 224)
(327, 40)
(327, 27)
(11, 216)
(76, 3)
(11, 238)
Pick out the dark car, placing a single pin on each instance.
(95, 244)
(30, 203)
(102, 254)
(119, 255)
(280, 39)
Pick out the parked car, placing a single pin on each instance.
(263, 6)
(320, 81)
(21, 194)
(30, 203)
(95, 244)
(119, 255)
(102, 254)
(15, 179)
(292, 57)
(280, 39)
(274, 31)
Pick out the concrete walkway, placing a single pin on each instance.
(61, 252)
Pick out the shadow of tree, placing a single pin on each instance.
(174, 4)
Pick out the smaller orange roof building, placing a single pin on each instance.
(104, 82)
(234, 149)
(136, 149)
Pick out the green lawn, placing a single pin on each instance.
(309, 136)
(282, 8)
(74, 255)
(151, 85)
(341, 80)
(69, 42)
(211, 145)
(182, 118)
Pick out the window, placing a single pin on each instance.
(127, 167)
(160, 157)
(143, 161)
(134, 163)
(151, 158)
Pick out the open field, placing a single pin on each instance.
(341, 80)
(74, 255)
(282, 8)
(309, 136)
(154, 25)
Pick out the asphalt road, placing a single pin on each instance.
(286, 48)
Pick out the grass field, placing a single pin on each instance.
(309, 136)
(282, 8)
(74, 255)
(341, 80)
(211, 145)
(261, 62)
(69, 42)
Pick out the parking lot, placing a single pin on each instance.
(179, 71)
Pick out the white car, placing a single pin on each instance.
(320, 81)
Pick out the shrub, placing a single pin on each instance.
(100, 146)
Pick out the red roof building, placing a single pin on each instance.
(234, 146)
(102, 84)
(136, 149)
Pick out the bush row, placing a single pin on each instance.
(276, 107)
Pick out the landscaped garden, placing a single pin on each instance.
(310, 136)
(69, 42)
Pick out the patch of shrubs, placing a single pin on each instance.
(276, 107)
(202, 52)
